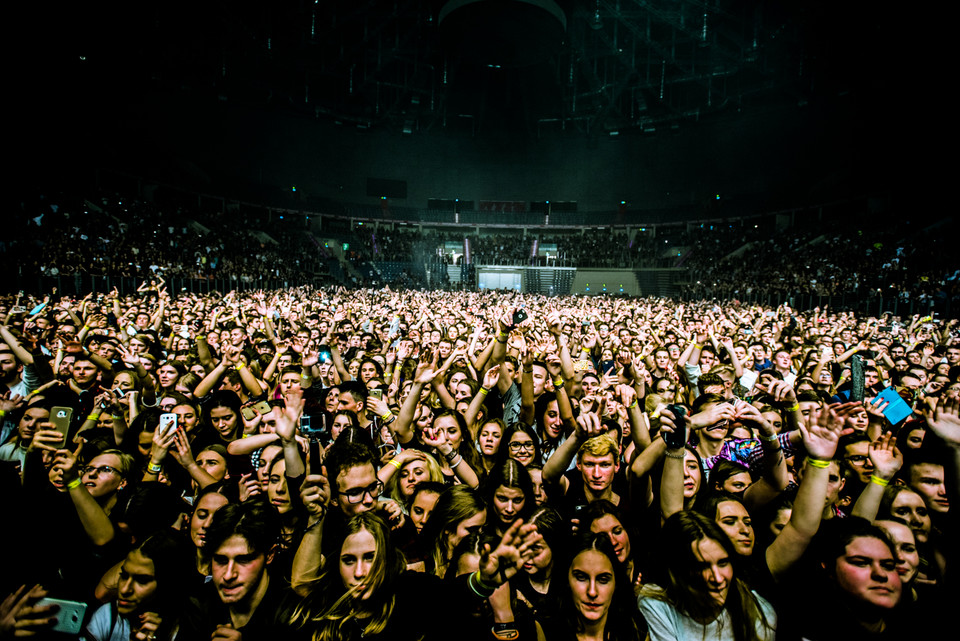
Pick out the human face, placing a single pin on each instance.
(508, 502)
(167, 375)
(552, 424)
(357, 478)
(780, 521)
(867, 571)
(455, 379)
(610, 525)
(422, 507)
(289, 382)
(103, 484)
(137, 583)
(31, 418)
(213, 464)
(489, 439)
(542, 562)
(123, 381)
(590, 385)
(452, 429)
(716, 569)
(277, 487)
(367, 371)
(348, 402)
(224, 421)
(207, 506)
(536, 477)
(914, 439)
(859, 421)
(926, 480)
(520, 448)
(905, 545)
(592, 584)
(358, 557)
(735, 522)
(186, 417)
(239, 573)
(597, 471)
(9, 367)
(413, 473)
(691, 475)
(465, 528)
(340, 422)
(737, 483)
(539, 378)
(84, 373)
(856, 455)
(662, 359)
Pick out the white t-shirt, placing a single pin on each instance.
(667, 624)
(107, 625)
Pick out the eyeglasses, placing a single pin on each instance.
(96, 471)
(356, 494)
(518, 445)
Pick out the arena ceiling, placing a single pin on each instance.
(518, 69)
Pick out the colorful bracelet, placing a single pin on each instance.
(74, 484)
(558, 381)
(484, 391)
(154, 469)
(241, 365)
(818, 463)
(632, 405)
(794, 407)
(386, 415)
(879, 481)
(394, 463)
(93, 417)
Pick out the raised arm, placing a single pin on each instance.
(820, 441)
(887, 460)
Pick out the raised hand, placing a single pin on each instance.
(491, 377)
(315, 494)
(499, 565)
(944, 420)
(885, 456)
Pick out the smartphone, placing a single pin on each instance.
(377, 393)
(168, 423)
(897, 410)
(248, 412)
(69, 615)
(263, 408)
(519, 316)
(856, 378)
(309, 428)
(316, 458)
(119, 393)
(678, 437)
(61, 417)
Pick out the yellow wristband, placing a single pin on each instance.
(879, 481)
(394, 463)
(386, 415)
(816, 462)
(558, 381)
(93, 417)
(698, 346)
(484, 391)
(241, 365)
(632, 405)
(74, 484)
(794, 407)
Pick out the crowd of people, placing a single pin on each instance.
(118, 237)
(333, 464)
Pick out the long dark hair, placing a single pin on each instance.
(623, 620)
(684, 585)
(329, 605)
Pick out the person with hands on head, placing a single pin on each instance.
(367, 594)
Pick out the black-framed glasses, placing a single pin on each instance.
(100, 469)
(516, 446)
(356, 494)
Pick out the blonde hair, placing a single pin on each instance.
(600, 446)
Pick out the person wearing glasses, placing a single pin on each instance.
(349, 487)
